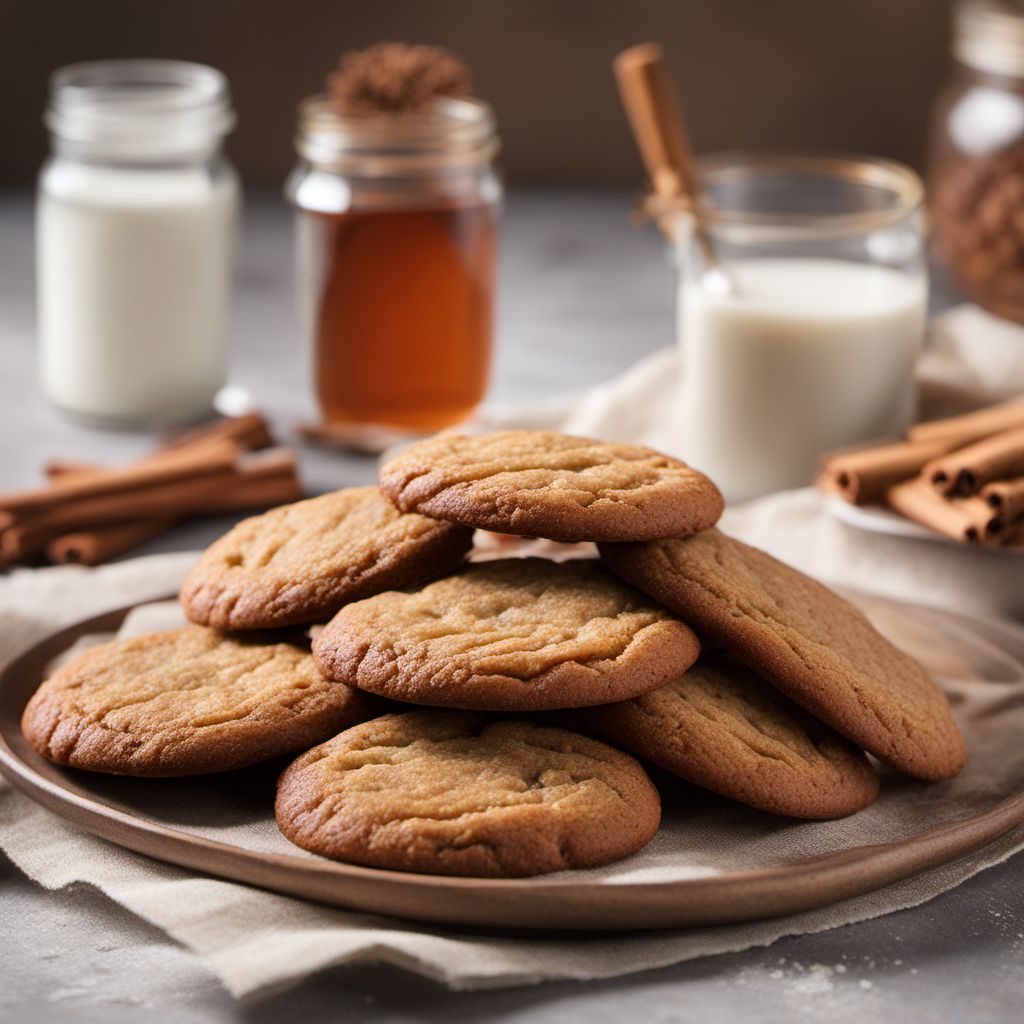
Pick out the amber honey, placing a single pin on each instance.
(403, 314)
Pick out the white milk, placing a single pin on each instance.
(803, 356)
(134, 284)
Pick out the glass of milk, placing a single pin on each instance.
(804, 337)
(135, 228)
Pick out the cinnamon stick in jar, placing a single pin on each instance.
(965, 471)
(862, 477)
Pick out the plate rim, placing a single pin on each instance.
(772, 891)
(872, 518)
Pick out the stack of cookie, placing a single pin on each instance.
(792, 687)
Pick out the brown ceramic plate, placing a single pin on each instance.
(223, 825)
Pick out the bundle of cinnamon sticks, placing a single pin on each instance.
(89, 514)
(962, 477)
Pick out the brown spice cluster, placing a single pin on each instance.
(962, 477)
(978, 226)
(395, 78)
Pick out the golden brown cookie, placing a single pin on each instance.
(300, 563)
(454, 793)
(723, 727)
(804, 639)
(517, 634)
(541, 484)
(186, 702)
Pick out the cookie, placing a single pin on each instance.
(516, 634)
(806, 641)
(724, 728)
(186, 702)
(300, 563)
(540, 484)
(454, 793)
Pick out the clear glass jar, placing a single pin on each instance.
(136, 230)
(976, 172)
(397, 223)
(803, 338)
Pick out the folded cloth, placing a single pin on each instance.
(258, 942)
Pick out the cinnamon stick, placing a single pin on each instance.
(1006, 497)
(250, 483)
(265, 486)
(57, 468)
(960, 431)
(184, 465)
(966, 470)
(92, 547)
(965, 519)
(249, 430)
(256, 493)
(656, 118)
(863, 476)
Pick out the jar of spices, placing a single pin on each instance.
(976, 177)
(397, 219)
(136, 217)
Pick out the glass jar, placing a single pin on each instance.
(397, 220)
(803, 337)
(976, 172)
(136, 225)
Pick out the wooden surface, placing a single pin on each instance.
(583, 295)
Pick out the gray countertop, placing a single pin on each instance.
(584, 294)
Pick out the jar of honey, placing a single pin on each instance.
(397, 223)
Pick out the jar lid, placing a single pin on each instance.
(140, 109)
(989, 36)
(451, 132)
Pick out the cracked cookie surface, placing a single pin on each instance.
(807, 641)
(455, 793)
(723, 727)
(516, 634)
(542, 484)
(186, 702)
(300, 563)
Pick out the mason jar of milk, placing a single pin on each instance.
(803, 336)
(136, 218)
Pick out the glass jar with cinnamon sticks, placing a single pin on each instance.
(397, 208)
